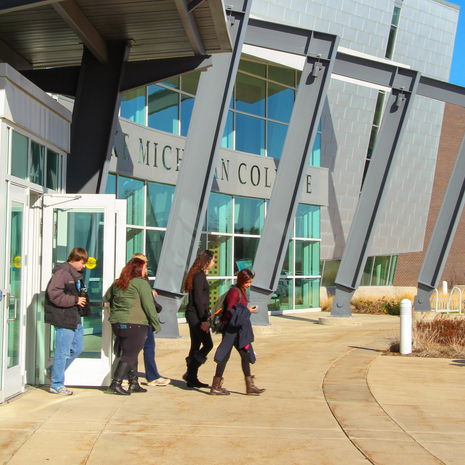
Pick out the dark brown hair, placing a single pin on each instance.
(133, 269)
(242, 277)
(200, 264)
(78, 254)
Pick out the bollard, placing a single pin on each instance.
(444, 288)
(405, 327)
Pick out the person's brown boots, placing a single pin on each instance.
(216, 389)
(252, 390)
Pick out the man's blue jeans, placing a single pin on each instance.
(68, 345)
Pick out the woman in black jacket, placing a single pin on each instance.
(197, 316)
(237, 332)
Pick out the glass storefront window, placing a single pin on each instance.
(381, 271)
(249, 215)
(331, 267)
(282, 299)
(315, 158)
(134, 242)
(245, 249)
(154, 242)
(221, 246)
(53, 170)
(307, 258)
(282, 75)
(275, 138)
(110, 188)
(250, 94)
(36, 170)
(19, 155)
(159, 200)
(163, 109)
(280, 102)
(307, 293)
(220, 213)
(366, 277)
(187, 105)
(190, 82)
(288, 265)
(133, 191)
(228, 136)
(172, 82)
(133, 105)
(307, 221)
(217, 288)
(250, 134)
(259, 69)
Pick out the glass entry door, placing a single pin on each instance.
(14, 301)
(91, 222)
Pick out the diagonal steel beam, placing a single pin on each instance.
(321, 52)
(7, 6)
(443, 234)
(404, 87)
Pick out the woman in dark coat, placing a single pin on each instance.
(197, 316)
(237, 332)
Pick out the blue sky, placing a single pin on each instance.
(457, 73)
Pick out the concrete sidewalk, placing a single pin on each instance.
(331, 398)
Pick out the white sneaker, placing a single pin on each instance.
(62, 391)
(159, 382)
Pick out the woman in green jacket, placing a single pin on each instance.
(132, 311)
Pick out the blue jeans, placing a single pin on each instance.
(68, 345)
(151, 371)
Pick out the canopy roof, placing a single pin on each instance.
(51, 33)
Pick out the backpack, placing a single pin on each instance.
(218, 321)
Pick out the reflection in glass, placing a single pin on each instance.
(288, 264)
(307, 293)
(187, 105)
(282, 75)
(154, 242)
(36, 171)
(250, 134)
(110, 188)
(275, 138)
(366, 277)
(227, 140)
(249, 215)
(250, 94)
(53, 170)
(19, 152)
(133, 105)
(83, 228)
(280, 102)
(282, 299)
(307, 258)
(252, 67)
(190, 82)
(217, 288)
(14, 305)
(134, 242)
(163, 109)
(381, 271)
(245, 249)
(307, 221)
(330, 272)
(159, 199)
(133, 191)
(220, 213)
(221, 246)
(315, 158)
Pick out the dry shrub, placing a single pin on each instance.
(379, 306)
(326, 303)
(443, 336)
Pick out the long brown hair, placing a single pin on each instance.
(242, 277)
(200, 264)
(133, 269)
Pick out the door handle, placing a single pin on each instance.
(15, 307)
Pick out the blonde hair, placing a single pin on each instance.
(140, 255)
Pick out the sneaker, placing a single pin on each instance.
(159, 382)
(62, 391)
(48, 374)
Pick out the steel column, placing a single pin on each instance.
(404, 86)
(443, 234)
(95, 115)
(195, 179)
(292, 169)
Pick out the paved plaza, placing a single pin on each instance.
(331, 398)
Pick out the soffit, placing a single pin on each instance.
(40, 33)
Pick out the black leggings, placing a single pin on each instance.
(245, 361)
(199, 337)
(131, 338)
